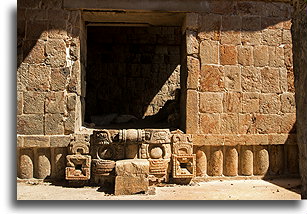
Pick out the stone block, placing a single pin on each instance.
(192, 112)
(36, 141)
(277, 10)
(222, 7)
(57, 29)
(128, 185)
(269, 103)
(268, 123)
(292, 155)
(246, 160)
(201, 163)
(56, 53)
(251, 23)
(271, 23)
(22, 77)
(19, 141)
(74, 84)
(231, 161)
(270, 80)
(286, 37)
(193, 66)
(261, 161)
(132, 167)
(33, 51)
(288, 123)
(232, 78)
(78, 167)
(287, 25)
(208, 52)
(212, 78)
(231, 24)
(216, 161)
(58, 163)
(251, 79)
(59, 78)
(261, 56)
(211, 102)
(283, 80)
(208, 139)
(287, 103)
(70, 122)
(247, 124)
(30, 124)
(251, 38)
(43, 167)
(191, 21)
(288, 55)
(25, 164)
(36, 29)
(210, 123)
(54, 124)
(290, 79)
(210, 27)
(228, 55)
(34, 102)
(276, 56)
(272, 37)
(38, 78)
(229, 123)
(192, 43)
(256, 139)
(245, 55)
(230, 37)
(232, 102)
(250, 8)
(250, 102)
(19, 103)
(55, 102)
(59, 141)
(278, 139)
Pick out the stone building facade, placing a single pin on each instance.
(230, 60)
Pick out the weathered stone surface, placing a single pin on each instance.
(211, 78)
(276, 56)
(231, 161)
(56, 52)
(247, 124)
(231, 37)
(288, 122)
(201, 163)
(232, 78)
(128, 185)
(272, 37)
(58, 163)
(251, 23)
(228, 55)
(132, 167)
(71, 101)
(43, 168)
(30, 124)
(245, 55)
(229, 123)
(261, 56)
(33, 51)
(34, 102)
(277, 159)
(210, 26)
(251, 38)
(287, 103)
(19, 103)
(59, 141)
(38, 78)
(232, 102)
(36, 141)
(270, 80)
(210, 123)
(211, 102)
(192, 43)
(25, 164)
(192, 112)
(283, 80)
(55, 102)
(251, 79)
(268, 123)
(184, 166)
(209, 52)
(70, 122)
(54, 124)
(36, 30)
(191, 21)
(59, 78)
(269, 103)
(208, 139)
(250, 102)
(261, 163)
(247, 160)
(216, 161)
(22, 76)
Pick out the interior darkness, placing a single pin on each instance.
(133, 77)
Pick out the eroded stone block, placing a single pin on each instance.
(184, 166)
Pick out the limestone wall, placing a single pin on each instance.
(239, 91)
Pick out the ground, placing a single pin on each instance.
(278, 189)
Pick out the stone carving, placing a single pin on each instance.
(182, 138)
(158, 167)
(131, 135)
(103, 167)
(143, 151)
(157, 136)
(155, 151)
(79, 144)
(78, 167)
(184, 166)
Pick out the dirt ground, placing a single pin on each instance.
(281, 189)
